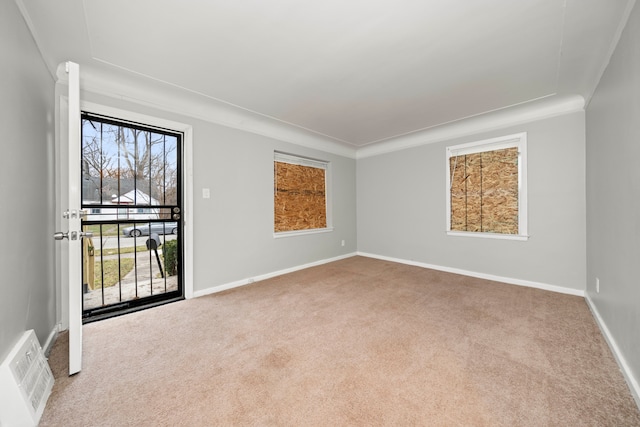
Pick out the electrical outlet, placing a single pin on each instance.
(597, 285)
(342, 243)
(206, 193)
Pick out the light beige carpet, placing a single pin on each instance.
(354, 342)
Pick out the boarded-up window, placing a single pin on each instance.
(300, 196)
(485, 186)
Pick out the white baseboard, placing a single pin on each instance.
(250, 280)
(622, 362)
(51, 339)
(492, 277)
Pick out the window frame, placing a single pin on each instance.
(518, 140)
(282, 157)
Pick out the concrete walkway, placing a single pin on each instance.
(143, 281)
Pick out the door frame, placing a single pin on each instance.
(133, 296)
(61, 194)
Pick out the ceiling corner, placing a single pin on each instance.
(611, 49)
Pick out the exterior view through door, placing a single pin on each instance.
(131, 198)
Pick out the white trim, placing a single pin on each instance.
(282, 234)
(632, 382)
(509, 116)
(491, 144)
(492, 277)
(51, 339)
(187, 174)
(294, 159)
(488, 235)
(328, 183)
(51, 68)
(188, 232)
(131, 116)
(518, 140)
(148, 91)
(250, 280)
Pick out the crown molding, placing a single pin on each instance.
(510, 116)
(163, 96)
(36, 37)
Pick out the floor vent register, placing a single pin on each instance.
(25, 383)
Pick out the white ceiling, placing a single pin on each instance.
(355, 72)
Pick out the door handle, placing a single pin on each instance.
(61, 235)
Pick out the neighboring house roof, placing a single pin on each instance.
(134, 197)
(95, 191)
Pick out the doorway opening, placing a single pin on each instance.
(132, 204)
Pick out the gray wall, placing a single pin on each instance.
(613, 195)
(234, 228)
(27, 299)
(402, 213)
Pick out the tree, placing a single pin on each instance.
(126, 155)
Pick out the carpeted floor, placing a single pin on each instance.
(355, 342)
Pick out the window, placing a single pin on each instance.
(300, 195)
(487, 188)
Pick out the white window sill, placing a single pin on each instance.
(301, 232)
(488, 235)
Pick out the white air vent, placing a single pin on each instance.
(25, 383)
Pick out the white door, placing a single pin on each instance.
(75, 243)
(72, 216)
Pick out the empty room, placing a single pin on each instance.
(297, 213)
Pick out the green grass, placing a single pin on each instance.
(127, 250)
(110, 267)
(107, 229)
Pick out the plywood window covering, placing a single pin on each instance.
(485, 192)
(300, 193)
